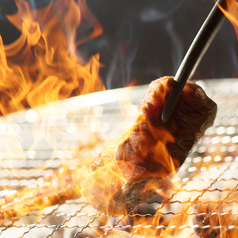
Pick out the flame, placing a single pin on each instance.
(102, 187)
(114, 182)
(40, 67)
(231, 13)
(43, 65)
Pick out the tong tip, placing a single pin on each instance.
(171, 101)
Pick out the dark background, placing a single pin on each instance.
(146, 39)
(160, 32)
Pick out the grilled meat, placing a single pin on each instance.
(128, 172)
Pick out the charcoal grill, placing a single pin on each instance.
(202, 203)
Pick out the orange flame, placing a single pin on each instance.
(43, 66)
(114, 183)
(232, 13)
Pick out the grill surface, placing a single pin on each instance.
(202, 203)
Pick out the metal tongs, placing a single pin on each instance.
(193, 56)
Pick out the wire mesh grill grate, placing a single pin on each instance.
(202, 202)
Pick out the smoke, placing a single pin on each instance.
(141, 39)
(160, 10)
(130, 31)
(177, 47)
(124, 53)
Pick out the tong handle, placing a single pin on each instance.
(193, 56)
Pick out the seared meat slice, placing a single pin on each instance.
(127, 173)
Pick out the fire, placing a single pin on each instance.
(43, 65)
(134, 180)
(107, 187)
(231, 13)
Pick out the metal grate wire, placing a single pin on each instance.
(202, 202)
